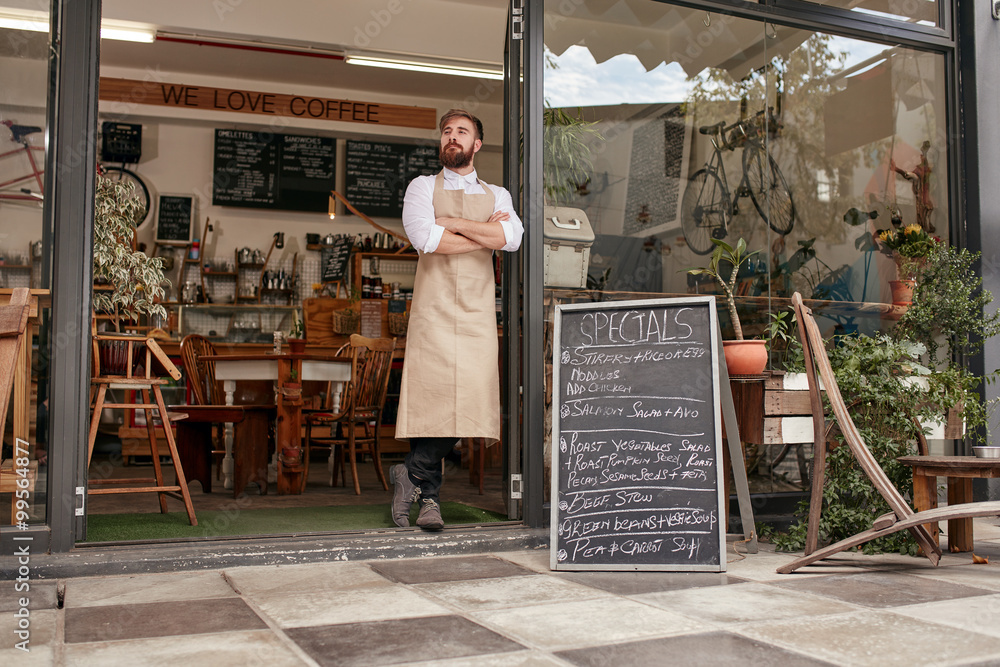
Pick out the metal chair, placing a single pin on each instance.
(361, 407)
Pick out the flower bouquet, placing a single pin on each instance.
(909, 248)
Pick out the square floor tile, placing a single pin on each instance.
(977, 576)
(474, 594)
(534, 559)
(41, 630)
(38, 656)
(145, 588)
(636, 583)
(375, 603)
(566, 625)
(744, 603)
(399, 641)
(977, 614)
(40, 594)
(719, 649)
(307, 577)
(427, 570)
(158, 619)
(876, 638)
(763, 566)
(512, 659)
(882, 589)
(227, 649)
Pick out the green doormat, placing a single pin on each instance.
(220, 523)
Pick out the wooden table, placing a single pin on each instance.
(230, 368)
(960, 471)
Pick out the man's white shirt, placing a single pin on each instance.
(418, 210)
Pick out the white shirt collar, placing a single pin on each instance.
(455, 177)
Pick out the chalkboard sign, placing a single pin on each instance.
(637, 449)
(274, 171)
(334, 259)
(378, 173)
(174, 218)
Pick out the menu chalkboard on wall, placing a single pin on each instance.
(378, 173)
(174, 218)
(334, 258)
(637, 449)
(276, 171)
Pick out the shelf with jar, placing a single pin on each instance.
(383, 275)
(17, 269)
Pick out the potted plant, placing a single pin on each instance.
(743, 357)
(909, 248)
(128, 283)
(297, 336)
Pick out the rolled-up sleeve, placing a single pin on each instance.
(418, 215)
(513, 228)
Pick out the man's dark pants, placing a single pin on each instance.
(424, 464)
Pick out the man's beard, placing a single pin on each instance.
(454, 159)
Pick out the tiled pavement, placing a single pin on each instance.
(507, 608)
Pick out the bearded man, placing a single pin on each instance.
(451, 385)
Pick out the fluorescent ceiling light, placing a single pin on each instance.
(429, 67)
(24, 19)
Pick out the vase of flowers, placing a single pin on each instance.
(908, 247)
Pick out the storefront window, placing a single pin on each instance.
(671, 127)
(24, 63)
(920, 12)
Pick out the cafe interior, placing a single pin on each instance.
(272, 143)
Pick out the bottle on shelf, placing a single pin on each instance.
(195, 248)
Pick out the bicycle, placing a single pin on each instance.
(15, 189)
(19, 188)
(708, 203)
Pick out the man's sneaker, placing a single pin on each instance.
(430, 515)
(403, 495)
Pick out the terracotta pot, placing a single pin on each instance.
(291, 389)
(291, 456)
(902, 291)
(745, 357)
(298, 345)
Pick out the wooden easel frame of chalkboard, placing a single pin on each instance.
(170, 227)
(595, 513)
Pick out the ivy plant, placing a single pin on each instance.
(136, 280)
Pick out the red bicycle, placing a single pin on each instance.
(25, 187)
(30, 187)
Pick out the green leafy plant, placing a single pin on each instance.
(566, 153)
(723, 257)
(298, 329)
(950, 315)
(909, 247)
(875, 376)
(136, 280)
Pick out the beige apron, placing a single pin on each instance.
(451, 382)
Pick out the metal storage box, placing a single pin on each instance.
(568, 237)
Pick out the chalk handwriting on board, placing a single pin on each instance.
(174, 218)
(637, 467)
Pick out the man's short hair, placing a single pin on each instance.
(452, 114)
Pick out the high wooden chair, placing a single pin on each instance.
(138, 356)
(361, 407)
(902, 517)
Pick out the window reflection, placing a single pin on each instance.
(685, 126)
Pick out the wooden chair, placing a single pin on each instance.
(196, 443)
(361, 407)
(902, 517)
(137, 374)
(13, 323)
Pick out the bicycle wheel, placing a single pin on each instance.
(141, 191)
(768, 189)
(704, 211)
